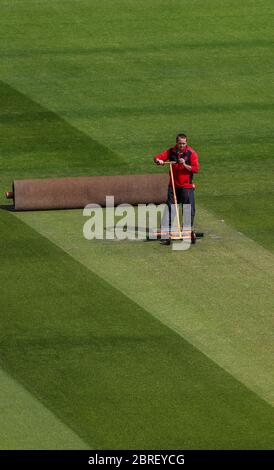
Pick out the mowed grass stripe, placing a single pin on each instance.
(107, 368)
(27, 424)
(218, 295)
(112, 71)
(155, 97)
(38, 143)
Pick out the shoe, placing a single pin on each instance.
(193, 237)
(165, 242)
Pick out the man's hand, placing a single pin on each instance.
(181, 160)
(159, 162)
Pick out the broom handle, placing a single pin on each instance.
(175, 197)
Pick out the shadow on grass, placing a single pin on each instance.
(37, 142)
(7, 207)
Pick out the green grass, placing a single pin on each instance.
(207, 305)
(99, 87)
(115, 74)
(27, 424)
(39, 143)
(110, 371)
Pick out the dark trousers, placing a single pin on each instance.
(184, 196)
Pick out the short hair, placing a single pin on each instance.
(181, 136)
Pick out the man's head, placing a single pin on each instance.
(181, 141)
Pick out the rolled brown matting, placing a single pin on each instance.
(73, 193)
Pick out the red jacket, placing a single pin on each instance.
(182, 177)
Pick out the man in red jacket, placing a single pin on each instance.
(186, 164)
